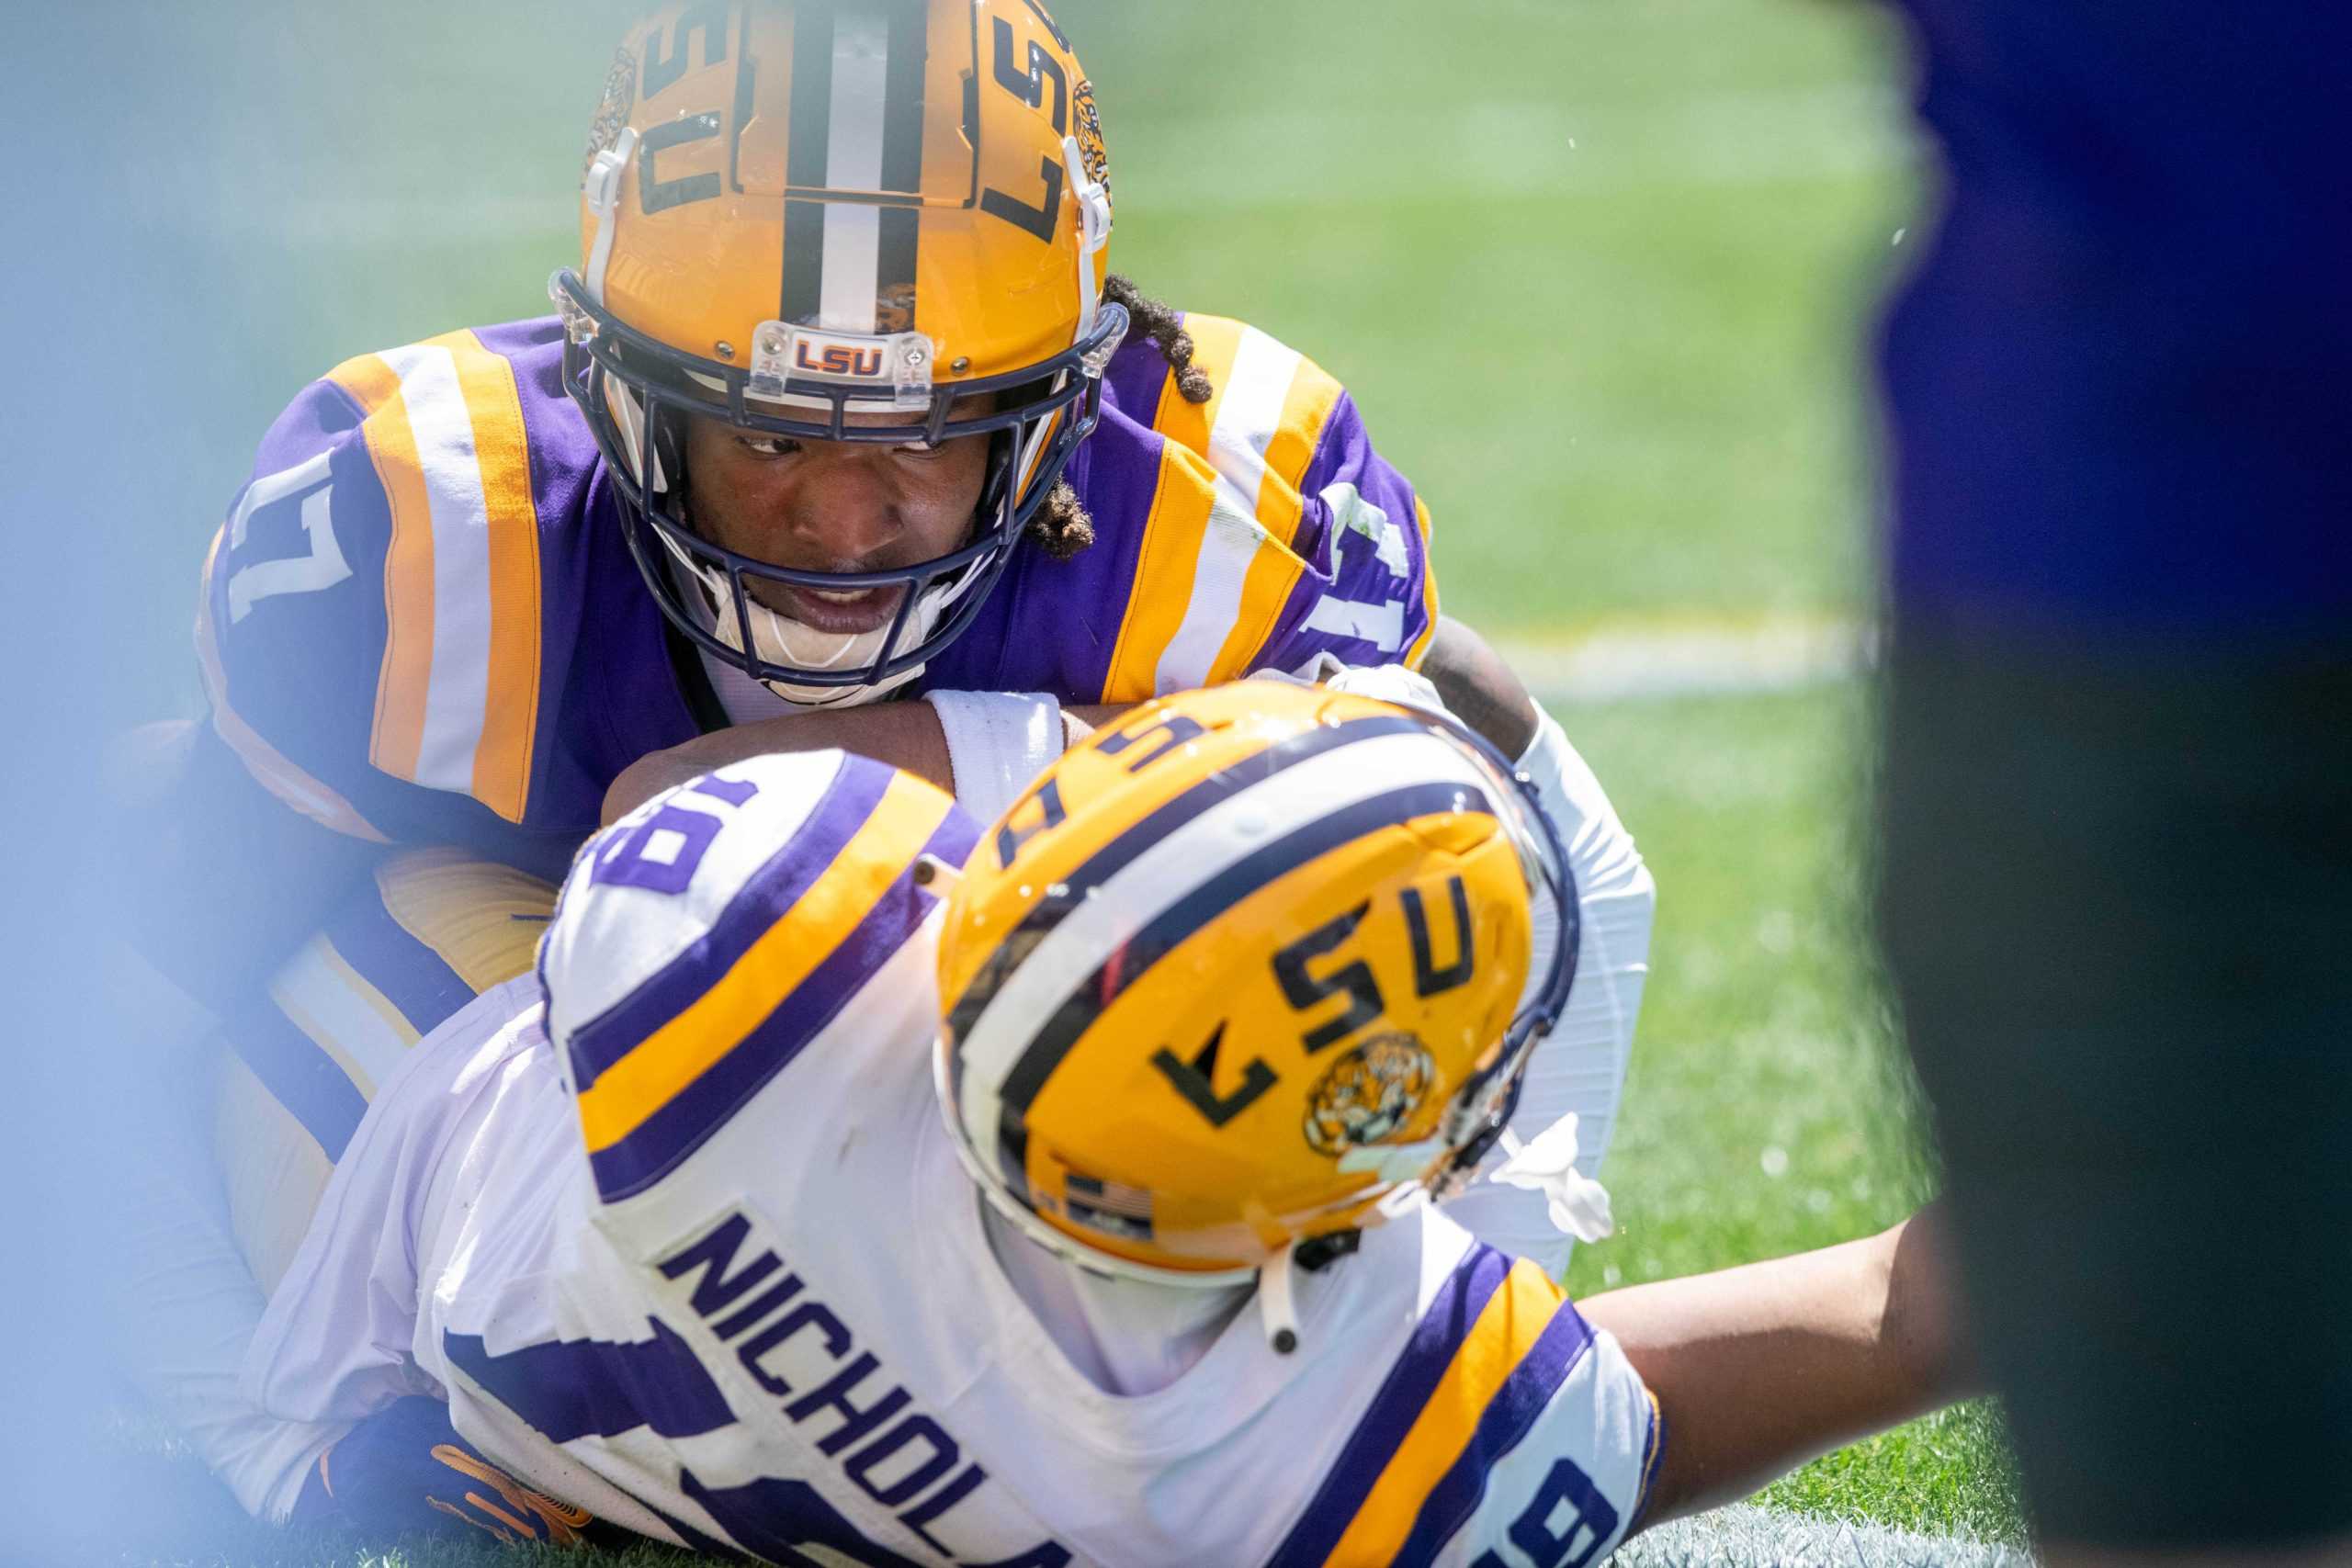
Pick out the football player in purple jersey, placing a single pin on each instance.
(840, 401)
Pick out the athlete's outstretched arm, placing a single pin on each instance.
(1469, 675)
(1759, 1367)
(1480, 688)
(906, 735)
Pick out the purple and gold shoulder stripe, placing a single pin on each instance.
(706, 940)
(1495, 1347)
(457, 706)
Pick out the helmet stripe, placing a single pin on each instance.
(1225, 783)
(807, 137)
(894, 275)
(856, 127)
(1204, 903)
(740, 115)
(1121, 852)
(894, 269)
(902, 97)
(854, 163)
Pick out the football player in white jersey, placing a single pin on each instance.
(716, 1231)
(1580, 1068)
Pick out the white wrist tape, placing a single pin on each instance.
(997, 743)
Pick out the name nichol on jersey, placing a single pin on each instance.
(895, 1454)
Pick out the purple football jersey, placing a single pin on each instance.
(421, 623)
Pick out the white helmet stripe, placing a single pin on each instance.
(1181, 864)
(853, 161)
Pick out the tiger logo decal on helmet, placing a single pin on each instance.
(1233, 918)
(1370, 1095)
(1091, 149)
(844, 221)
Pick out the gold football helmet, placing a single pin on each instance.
(1245, 969)
(868, 220)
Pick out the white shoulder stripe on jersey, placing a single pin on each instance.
(1249, 412)
(1228, 544)
(1188, 858)
(457, 694)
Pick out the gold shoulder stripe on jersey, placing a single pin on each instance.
(667, 1062)
(1507, 1329)
(1216, 570)
(456, 698)
(1420, 648)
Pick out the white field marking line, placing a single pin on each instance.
(1743, 1536)
(1637, 660)
(1530, 148)
(1526, 147)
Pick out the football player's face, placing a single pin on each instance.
(832, 506)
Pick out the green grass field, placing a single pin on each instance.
(1601, 277)
(1765, 1110)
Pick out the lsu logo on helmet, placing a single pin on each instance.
(1242, 969)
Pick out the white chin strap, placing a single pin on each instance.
(779, 639)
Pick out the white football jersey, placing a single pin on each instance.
(709, 1266)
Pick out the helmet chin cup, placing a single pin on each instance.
(777, 641)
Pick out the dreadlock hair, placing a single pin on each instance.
(1165, 327)
(1061, 527)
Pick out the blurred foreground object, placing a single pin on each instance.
(2117, 876)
